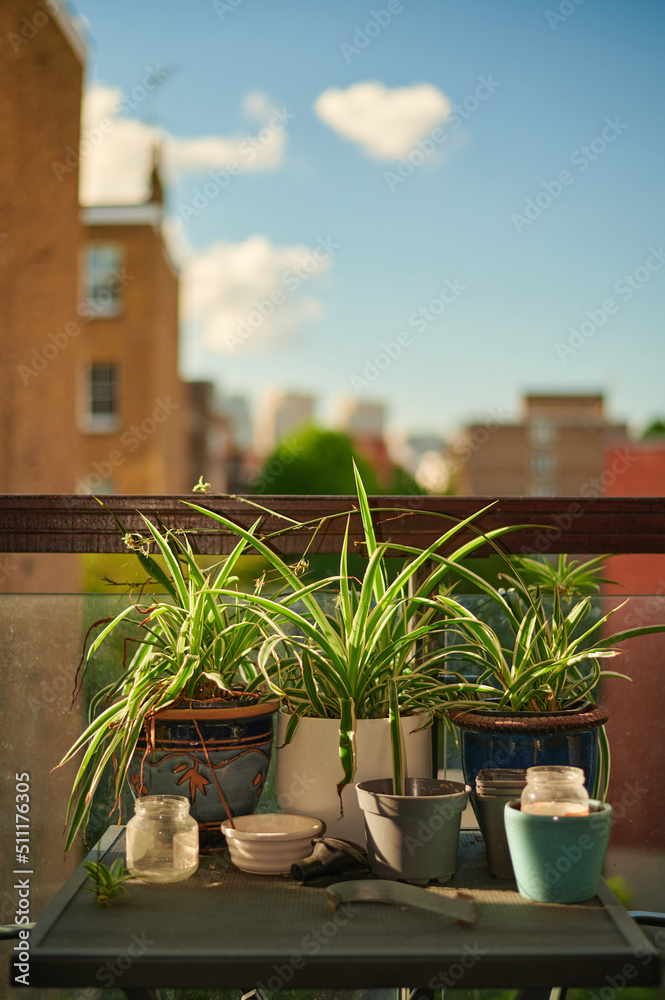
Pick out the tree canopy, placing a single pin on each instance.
(319, 462)
(655, 429)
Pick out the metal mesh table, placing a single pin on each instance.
(222, 928)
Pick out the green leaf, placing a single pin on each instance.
(396, 740)
(347, 746)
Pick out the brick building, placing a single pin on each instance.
(90, 399)
(214, 455)
(132, 408)
(41, 73)
(555, 450)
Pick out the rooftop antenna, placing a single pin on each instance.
(156, 78)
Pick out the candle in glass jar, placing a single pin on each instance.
(561, 808)
(555, 791)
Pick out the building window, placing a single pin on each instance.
(541, 490)
(102, 410)
(103, 280)
(541, 432)
(543, 463)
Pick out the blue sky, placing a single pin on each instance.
(533, 205)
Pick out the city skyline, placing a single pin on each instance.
(440, 209)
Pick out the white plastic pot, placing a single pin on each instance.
(269, 843)
(308, 769)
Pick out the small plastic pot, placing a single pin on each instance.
(490, 818)
(413, 837)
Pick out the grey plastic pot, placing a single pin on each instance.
(413, 837)
(490, 818)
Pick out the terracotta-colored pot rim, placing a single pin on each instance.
(216, 708)
(568, 721)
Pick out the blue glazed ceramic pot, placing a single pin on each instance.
(528, 739)
(558, 859)
(235, 753)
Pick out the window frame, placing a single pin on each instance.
(100, 422)
(91, 307)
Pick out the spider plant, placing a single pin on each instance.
(109, 881)
(192, 645)
(566, 576)
(366, 659)
(553, 659)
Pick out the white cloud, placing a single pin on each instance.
(385, 123)
(247, 297)
(116, 147)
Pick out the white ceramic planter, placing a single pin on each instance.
(308, 769)
(269, 843)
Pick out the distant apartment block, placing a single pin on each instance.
(284, 414)
(557, 449)
(365, 425)
(362, 420)
(216, 450)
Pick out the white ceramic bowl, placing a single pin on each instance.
(269, 843)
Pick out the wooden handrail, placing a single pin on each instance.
(69, 523)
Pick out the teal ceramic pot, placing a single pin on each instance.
(558, 859)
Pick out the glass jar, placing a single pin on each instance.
(555, 791)
(162, 839)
